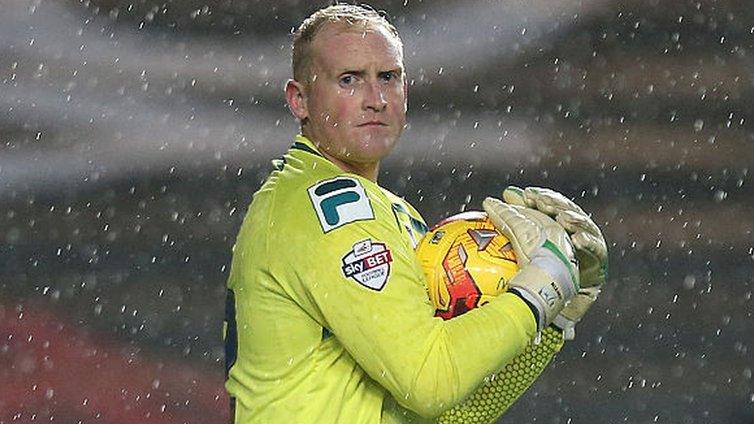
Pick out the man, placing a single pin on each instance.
(328, 317)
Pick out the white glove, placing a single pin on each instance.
(548, 276)
(591, 249)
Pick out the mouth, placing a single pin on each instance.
(372, 124)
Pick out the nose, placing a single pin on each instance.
(374, 98)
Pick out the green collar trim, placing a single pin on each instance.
(302, 143)
(301, 146)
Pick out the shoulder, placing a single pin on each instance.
(403, 205)
(314, 197)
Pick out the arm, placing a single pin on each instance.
(503, 388)
(425, 363)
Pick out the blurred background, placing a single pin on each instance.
(133, 134)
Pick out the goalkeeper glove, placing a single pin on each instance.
(591, 249)
(548, 277)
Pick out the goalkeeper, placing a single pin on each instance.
(328, 319)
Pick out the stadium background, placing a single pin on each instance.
(133, 134)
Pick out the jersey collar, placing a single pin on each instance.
(300, 142)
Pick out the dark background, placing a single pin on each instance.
(133, 134)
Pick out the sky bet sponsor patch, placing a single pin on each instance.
(368, 263)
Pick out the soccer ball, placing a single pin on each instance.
(467, 263)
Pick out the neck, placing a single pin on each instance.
(366, 170)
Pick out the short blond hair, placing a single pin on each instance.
(343, 14)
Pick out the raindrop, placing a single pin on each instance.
(689, 282)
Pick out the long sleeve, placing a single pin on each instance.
(498, 392)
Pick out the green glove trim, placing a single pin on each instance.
(554, 249)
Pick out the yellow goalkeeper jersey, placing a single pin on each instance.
(328, 319)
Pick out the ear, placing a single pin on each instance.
(295, 96)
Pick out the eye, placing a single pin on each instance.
(389, 76)
(347, 80)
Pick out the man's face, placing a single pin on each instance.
(356, 97)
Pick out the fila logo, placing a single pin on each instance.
(340, 201)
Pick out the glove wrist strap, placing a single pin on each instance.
(567, 326)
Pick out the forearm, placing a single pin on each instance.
(490, 400)
(439, 367)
